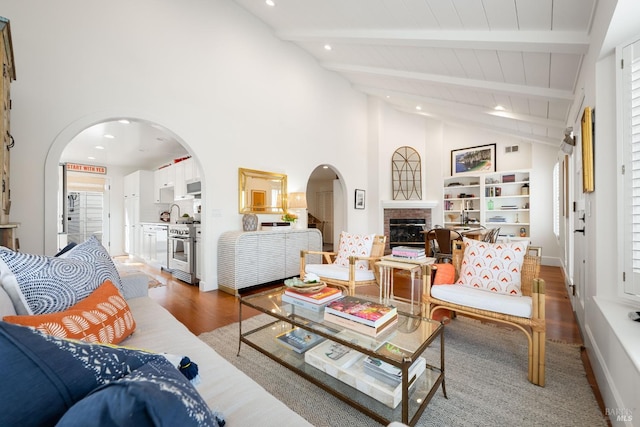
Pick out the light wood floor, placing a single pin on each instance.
(206, 311)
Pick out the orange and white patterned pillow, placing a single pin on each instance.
(102, 317)
(494, 267)
(354, 245)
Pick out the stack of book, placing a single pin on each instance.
(299, 340)
(315, 301)
(349, 366)
(408, 252)
(388, 373)
(361, 315)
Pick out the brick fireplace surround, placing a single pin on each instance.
(396, 210)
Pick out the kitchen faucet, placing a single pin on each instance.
(171, 209)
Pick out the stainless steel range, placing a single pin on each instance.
(182, 257)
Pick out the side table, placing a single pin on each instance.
(388, 264)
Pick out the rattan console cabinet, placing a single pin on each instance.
(252, 258)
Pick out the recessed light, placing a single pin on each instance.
(99, 147)
(124, 121)
(270, 3)
(418, 107)
(499, 108)
(91, 158)
(327, 47)
(109, 136)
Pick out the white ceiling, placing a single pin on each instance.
(455, 59)
(135, 145)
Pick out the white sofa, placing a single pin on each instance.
(225, 388)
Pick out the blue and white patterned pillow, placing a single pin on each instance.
(46, 378)
(39, 284)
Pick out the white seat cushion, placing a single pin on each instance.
(333, 271)
(484, 300)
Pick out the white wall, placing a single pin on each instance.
(207, 71)
(434, 140)
(610, 336)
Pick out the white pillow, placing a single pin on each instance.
(494, 267)
(354, 245)
(39, 284)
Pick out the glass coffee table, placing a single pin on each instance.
(403, 401)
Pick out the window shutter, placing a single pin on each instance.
(631, 136)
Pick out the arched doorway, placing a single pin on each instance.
(325, 203)
(92, 129)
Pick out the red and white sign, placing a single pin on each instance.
(75, 167)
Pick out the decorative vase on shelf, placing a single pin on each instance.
(249, 222)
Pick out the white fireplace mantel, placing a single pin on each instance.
(408, 204)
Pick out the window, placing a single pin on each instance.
(629, 97)
(556, 200)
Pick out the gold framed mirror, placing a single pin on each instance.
(261, 192)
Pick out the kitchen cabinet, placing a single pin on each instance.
(252, 258)
(138, 207)
(191, 170)
(170, 182)
(9, 74)
(180, 187)
(164, 181)
(154, 244)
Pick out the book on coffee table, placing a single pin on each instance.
(322, 296)
(347, 365)
(387, 373)
(299, 340)
(362, 311)
(372, 331)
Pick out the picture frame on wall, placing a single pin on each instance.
(588, 180)
(481, 158)
(359, 199)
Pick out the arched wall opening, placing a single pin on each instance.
(52, 167)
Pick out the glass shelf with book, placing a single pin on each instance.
(382, 402)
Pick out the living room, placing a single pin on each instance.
(237, 96)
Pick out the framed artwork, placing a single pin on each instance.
(359, 200)
(481, 158)
(588, 180)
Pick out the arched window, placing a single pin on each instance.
(406, 174)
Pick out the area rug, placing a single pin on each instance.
(485, 373)
(153, 283)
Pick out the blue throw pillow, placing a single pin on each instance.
(40, 284)
(41, 376)
(155, 394)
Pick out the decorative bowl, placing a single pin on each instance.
(304, 287)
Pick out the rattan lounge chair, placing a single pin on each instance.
(349, 277)
(533, 327)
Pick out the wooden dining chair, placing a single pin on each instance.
(439, 242)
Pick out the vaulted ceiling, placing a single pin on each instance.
(507, 66)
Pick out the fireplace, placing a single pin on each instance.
(409, 218)
(406, 232)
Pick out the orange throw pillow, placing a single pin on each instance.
(445, 274)
(102, 317)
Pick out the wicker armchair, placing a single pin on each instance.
(347, 278)
(533, 327)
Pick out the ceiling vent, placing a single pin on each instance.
(511, 149)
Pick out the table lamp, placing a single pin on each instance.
(297, 203)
